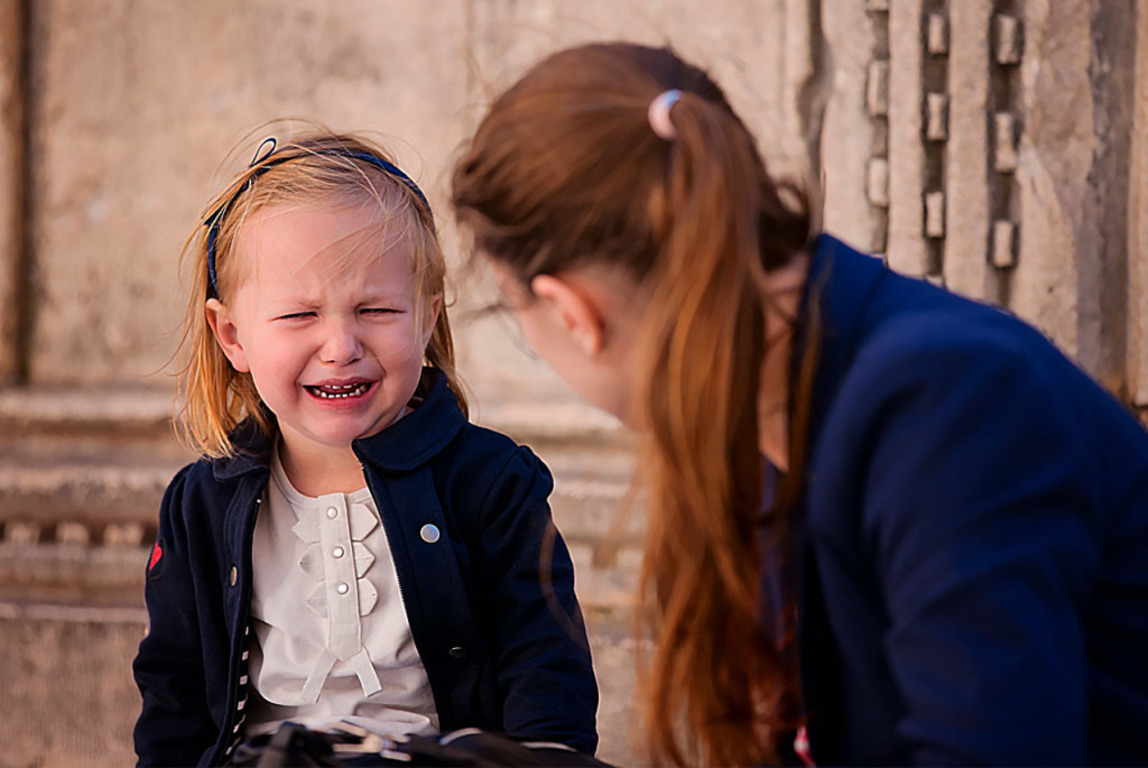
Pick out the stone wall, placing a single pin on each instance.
(986, 144)
(11, 181)
(998, 147)
(133, 103)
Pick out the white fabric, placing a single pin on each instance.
(332, 641)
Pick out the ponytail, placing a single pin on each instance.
(704, 338)
(567, 168)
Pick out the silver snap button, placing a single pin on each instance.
(234, 577)
(332, 513)
(338, 552)
(342, 588)
(429, 533)
(458, 652)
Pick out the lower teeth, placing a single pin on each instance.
(330, 396)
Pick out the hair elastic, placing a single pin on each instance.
(659, 113)
(215, 219)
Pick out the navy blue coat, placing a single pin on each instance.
(973, 561)
(500, 653)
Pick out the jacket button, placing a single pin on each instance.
(429, 533)
(234, 576)
(458, 652)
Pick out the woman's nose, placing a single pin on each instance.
(341, 344)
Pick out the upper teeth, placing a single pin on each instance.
(341, 390)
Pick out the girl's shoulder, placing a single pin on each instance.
(482, 456)
(203, 489)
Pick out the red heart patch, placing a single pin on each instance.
(156, 554)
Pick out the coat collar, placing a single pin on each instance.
(840, 288)
(420, 435)
(842, 282)
(408, 443)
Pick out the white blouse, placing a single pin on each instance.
(331, 638)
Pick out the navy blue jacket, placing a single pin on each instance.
(502, 651)
(973, 560)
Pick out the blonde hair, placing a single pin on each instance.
(214, 398)
(566, 169)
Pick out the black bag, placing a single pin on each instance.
(294, 746)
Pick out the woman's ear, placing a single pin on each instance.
(227, 334)
(574, 309)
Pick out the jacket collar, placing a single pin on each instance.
(417, 437)
(408, 443)
(842, 282)
(252, 452)
(841, 287)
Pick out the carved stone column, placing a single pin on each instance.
(1138, 225)
(998, 147)
(11, 182)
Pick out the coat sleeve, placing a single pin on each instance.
(174, 726)
(980, 520)
(544, 669)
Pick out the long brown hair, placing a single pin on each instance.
(565, 169)
(312, 168)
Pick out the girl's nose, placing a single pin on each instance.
(341, 345)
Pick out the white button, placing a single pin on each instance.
(429, 533)
(332, 513)
(338, 552)
(342, 588)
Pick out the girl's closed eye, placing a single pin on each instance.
(381, 311)
(296, 315)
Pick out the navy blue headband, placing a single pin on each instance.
(214, 220)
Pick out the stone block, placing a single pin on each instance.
(1138, 226)
(66, 686)
(877, 91)
(151, 96)
(1004, 143)
(935, 214)
(850, 140)
(1007, 39)
(609, 586)
(12, 154)
(757, 51)
(906, 244)
(124, 535)
(1004, 245)
(877, 187)
(937, 36)
(1073, 100)
(966, 171)
(69, 533)
(937, 120)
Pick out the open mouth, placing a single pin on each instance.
(339, 391)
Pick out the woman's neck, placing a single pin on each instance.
(784, 287)
(315, 473)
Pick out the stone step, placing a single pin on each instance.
(68, 696)
(69, 531)
(146, 413)
(82, 474)
(132, 411)
(105, 499)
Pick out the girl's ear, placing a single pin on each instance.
(575, 310)
(227, 334)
